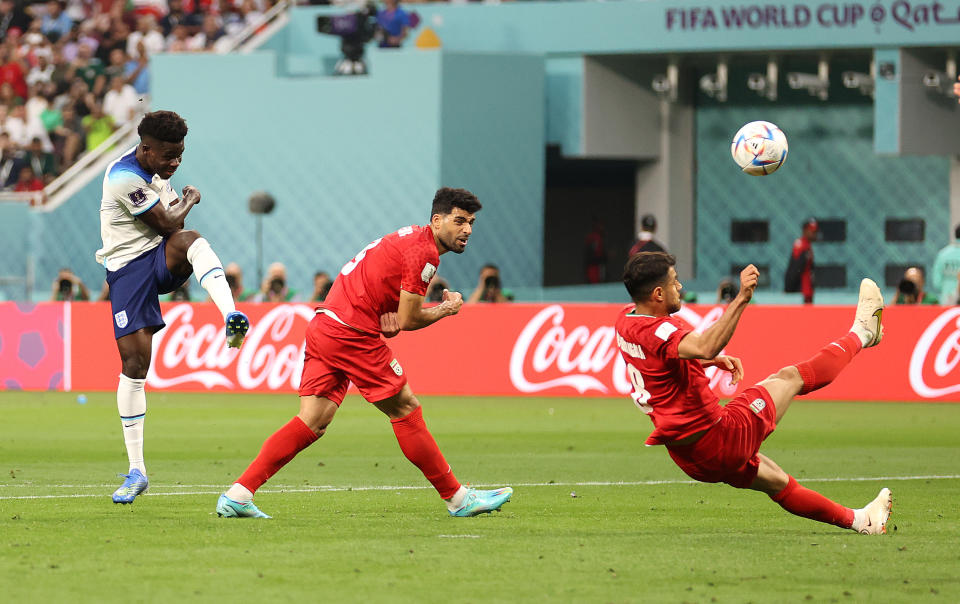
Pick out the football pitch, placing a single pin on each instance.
(596, 516)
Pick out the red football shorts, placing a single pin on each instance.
(337, 355)
(727, 452)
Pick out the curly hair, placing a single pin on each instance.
(448, 198)
(164, 126)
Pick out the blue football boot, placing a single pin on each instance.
(135, 484)
(237, 326)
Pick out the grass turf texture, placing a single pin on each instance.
(62, 539)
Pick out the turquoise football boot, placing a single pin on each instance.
(482, 502)
(228, 508)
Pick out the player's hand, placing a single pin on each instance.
(731, 365)
(452, 301)
(749, 277)
(191, 195)
(389, 324)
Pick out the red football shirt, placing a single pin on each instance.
(369, 285)
(674, 392)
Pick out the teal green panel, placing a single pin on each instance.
(831, 172)
(565, 104)
(493, 144)
(886, 119)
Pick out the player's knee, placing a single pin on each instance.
(182, 240)
(135, 367)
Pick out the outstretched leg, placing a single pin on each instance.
(801, 501)
(418, 445)
(188, 252)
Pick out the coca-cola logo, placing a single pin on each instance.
(935, 357)
(550, 354)
(271, 356)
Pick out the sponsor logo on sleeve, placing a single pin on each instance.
(428, 272)
(121, 319)
(663, 332)
(395, 365)
(758, 405)
(138, 197)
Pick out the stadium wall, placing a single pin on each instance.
(536, 349)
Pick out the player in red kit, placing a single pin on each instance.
(379, 292)
(713, 443)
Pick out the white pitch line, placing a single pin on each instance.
(331, 489)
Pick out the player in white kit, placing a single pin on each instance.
(147, 252)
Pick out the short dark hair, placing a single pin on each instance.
(164, 126)
(645, 272)
(448, 198)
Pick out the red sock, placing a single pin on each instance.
(827, 364)
(282, 446)
(811, 504)
(420, 448)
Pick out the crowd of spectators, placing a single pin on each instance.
(72, 72)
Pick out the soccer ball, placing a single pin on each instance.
(759, 148)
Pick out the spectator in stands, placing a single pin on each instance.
(946, 270)
(12, 16)
(799, 273)
(68, 287)
(43, 162)
(176, 15)
(120, 102)
(321, 286)
(180, 40)
(489, 288)
(595, 253)
(210, 33)
(916, 294)
(393, 24)
(147, 38)
(42, 72)
(234, 277)
(113, 37)
(97, 125)
(22, 130)
(56, 23)
(8, 97)
(13, 71)
(28, 180)
(645, 240)
(10, 162)
(181, 294)
(68, 137)
(274, 287)
(89, 69)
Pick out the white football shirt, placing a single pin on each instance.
(128, 191)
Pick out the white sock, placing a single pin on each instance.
(240, 493)
(456, 502)
(209, 273)
(859, 517)
(132, 405)
(862, 333)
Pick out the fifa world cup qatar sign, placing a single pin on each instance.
(487, 349)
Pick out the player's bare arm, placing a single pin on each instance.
(412, 315)
(166, 221)
(707, 345)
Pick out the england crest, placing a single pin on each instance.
(121, 319)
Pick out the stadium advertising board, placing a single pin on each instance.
(535, 349)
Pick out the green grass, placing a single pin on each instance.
(560, 539)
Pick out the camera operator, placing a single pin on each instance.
(68, 287)
(393, 24)
(489, 288)
(354, 30)
(274, 287)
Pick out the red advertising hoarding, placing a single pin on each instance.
(498, 349)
